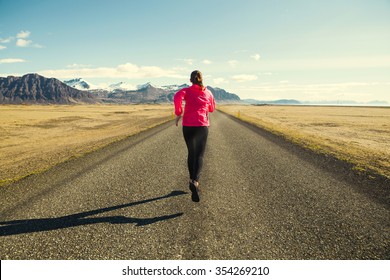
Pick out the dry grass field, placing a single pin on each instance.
(359, 135)
(34, 138)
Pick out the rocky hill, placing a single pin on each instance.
(33, 88)
(223, 95)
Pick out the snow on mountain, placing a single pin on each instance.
(148, 90)
(169, 88)
(174, 87)
(147, 85)
(121, 86)
(36, 89)
(124, 93)
(80, 84)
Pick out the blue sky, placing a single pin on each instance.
(306, 50)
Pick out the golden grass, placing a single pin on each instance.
(359, 135)
(34, 138)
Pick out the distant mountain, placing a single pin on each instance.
(143, 94)
(148, 93)
(33, 88)
(347, 102)
(276, 102)
(378, 102)
(80, 84)
(145, 86)
(120, 86)
(175, 88)
(223, 95)
(324, 102)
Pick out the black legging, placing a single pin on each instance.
(196, 138)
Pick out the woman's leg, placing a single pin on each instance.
(201, 140)
(196, 139)
(189, 137)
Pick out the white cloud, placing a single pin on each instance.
(11, 60)
(244, 78)
(2, 47)
(188, 61)
(23, 34)
(180, 69)
(38, 46)
(256, 56)
(23, 43)
(127, 70)
(206, 61)
(219, 81)
(6, 40)
(77, 66)
(330, 63)
(240, 51)
(233, 63)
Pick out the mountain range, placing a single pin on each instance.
(33, 88)
(271, 102)
(145, 93)
(324, 102)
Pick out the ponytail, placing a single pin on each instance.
(196, 78)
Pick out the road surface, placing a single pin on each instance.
(262, 198)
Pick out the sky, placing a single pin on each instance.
(259, 49)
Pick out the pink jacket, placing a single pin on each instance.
(198, 103)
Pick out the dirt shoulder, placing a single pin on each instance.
(34, 138)
(357, 135)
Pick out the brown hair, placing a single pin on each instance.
(196, 78)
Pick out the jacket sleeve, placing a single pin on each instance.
(178, 101)
(212, 103)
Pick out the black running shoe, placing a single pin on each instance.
(195, 192)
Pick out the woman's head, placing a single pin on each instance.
(196, 78)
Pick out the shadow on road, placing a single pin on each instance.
(46, 224)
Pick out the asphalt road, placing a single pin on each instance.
(262, 198)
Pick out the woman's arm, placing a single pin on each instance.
(178, 102)
(212, 104)
(177, 118)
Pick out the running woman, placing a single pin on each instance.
(199, 101)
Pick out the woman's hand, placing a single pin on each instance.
(177, 120)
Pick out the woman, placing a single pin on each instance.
(199, 101)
